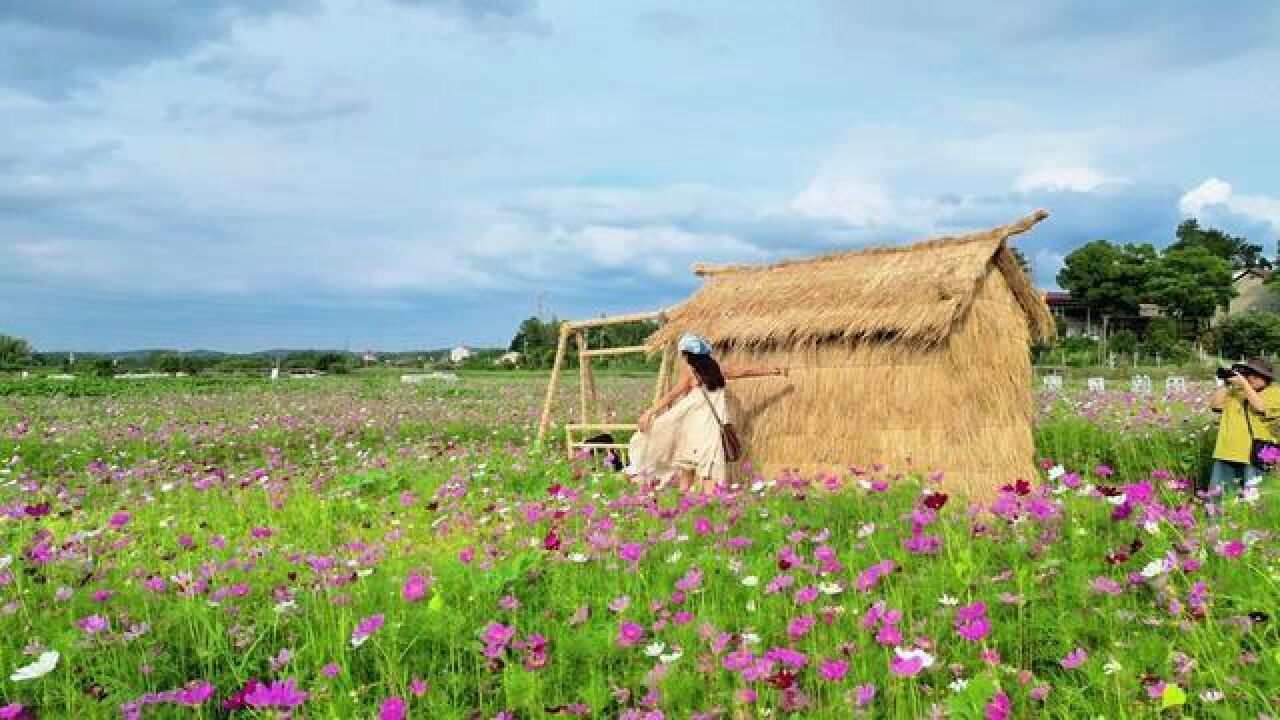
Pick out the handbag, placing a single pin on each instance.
(728, 436)
(1256, 446)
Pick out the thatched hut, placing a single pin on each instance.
(916, 357)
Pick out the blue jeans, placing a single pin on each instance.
(1230, 476)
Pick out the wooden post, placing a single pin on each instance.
(584, 375)
(545, 420)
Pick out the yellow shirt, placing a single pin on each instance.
(1234, 443)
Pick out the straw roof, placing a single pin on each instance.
(916, 292)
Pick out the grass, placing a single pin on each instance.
(243, 533)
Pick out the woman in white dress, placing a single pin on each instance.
(679, 437)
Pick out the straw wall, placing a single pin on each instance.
(962, 407)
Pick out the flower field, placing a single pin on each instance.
(353, 548)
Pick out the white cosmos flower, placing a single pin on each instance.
(654, 649)
(959, 684)
(830, 588)
(5, 561)
(43, 665)
(751, 581)
(866, 530)
(578, 557)
(1151, 527)
(926, 660)
(1154, 568)
(1117, 499)
(674, 557)
(1212, 696)
(948, 600)
(1112, 667)
(750, 638)
(1056, 472)
(751, 606)
(671, 657)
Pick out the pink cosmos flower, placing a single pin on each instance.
(806, 595)
(366, 628)
(93, 624)
(393, 708)
(1074, 659)
(1039, 693)
(629, 634)
(799, 627)
(1106, 586)
(415, 588)
(909, 663)
(120, 519)
(864, 694)
(330, 670)
(418, 687)
(833, 670)
(631, 552)
(284, 694)
(1232, 549)
(15, 711)
(999, 708)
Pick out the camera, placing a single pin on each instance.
(1224, 374)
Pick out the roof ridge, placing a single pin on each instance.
(1001, 233)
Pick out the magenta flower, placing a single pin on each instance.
(120, 519)
(999, 708)
(631, 552)
(799, 627)
(629, 634)
(1074, 659)
(393, 708)
(93, 624)
(418, 687)
(331, 670)
(909, 663)
(16, 711)
(971, 622)
(284, 694)
(1232, 549)
(498, 634)
(1106, 586)
(415, 588)
(864, 694)
(365, 628)
(833, 670)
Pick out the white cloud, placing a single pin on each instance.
(856, 201)
(1063, 178)
(1215, 193)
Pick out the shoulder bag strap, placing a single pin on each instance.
(1248, 423)
(716, 415)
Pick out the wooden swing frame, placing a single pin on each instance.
(589, 418)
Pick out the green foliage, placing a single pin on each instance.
(1249, 334)
(1124, 342)
(1191, 283)
(1237, 251)
(14, 351)
(1108, 278)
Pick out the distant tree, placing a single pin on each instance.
(1237, 251)
(1249, 334)
(1123, 342)
(1191, 283)
(14, 350)
(1108, 278)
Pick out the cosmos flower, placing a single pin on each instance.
(43, 665)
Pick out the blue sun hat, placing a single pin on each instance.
(694, 344)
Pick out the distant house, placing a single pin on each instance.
(508, 358)
(1078, 320)
(1071, 315)
(369, 357)
(462, 353)
(1252, 293)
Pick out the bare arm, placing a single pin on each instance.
(1218, 399)
(1255, 400)
(752, 372)
(682, 388)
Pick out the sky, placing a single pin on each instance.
(408, 174)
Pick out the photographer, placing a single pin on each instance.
(1248, 405)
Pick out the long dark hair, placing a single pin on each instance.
(707, 370)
